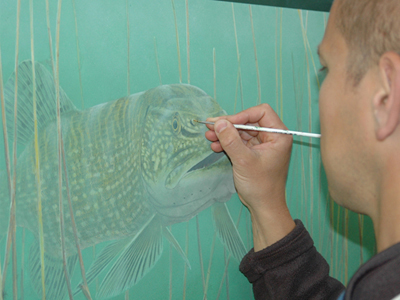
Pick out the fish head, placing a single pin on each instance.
(181, 173)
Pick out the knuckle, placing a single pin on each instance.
(265, 106)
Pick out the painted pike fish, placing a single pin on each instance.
(134, 166)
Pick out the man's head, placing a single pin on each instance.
(370, 28)
(360, 99)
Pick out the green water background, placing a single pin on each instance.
(286, 42)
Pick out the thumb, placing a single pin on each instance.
(229, 139)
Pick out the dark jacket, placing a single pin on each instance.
(293, 269)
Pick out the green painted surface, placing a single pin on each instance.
(288, 76)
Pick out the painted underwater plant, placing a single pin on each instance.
(134, 166)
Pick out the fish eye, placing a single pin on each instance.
(175, 124)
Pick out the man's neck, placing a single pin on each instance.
(387, 215)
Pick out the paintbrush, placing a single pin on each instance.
(257, 128)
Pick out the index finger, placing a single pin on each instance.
(263, 115)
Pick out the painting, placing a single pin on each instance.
(109, 189)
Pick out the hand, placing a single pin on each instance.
(260, 163)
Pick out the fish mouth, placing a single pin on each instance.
(209, 160)
(175, 176)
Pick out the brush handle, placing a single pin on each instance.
(273, 130)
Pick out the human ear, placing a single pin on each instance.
(387, 101)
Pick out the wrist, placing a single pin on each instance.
(270, 225)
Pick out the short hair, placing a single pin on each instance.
(370, 29)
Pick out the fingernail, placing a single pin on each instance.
(220, 126)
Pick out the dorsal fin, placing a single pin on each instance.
(45, 100)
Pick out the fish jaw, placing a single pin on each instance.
(195, 191)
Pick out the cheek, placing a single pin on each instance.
(326, 99)
(327, 116)
(333, 138)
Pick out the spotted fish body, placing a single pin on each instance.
(103, 163)
(134, 166)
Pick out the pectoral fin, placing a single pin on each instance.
(227, 231)
(136, 259)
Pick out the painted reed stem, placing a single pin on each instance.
(37, 159)
(238, 56)
(50, 40)
(11, 233)
(337, 240)
(200, 254)
(13, 199)
(186, 253)
(226, 257)
(84, 286)
(237, 86)
(255, 56)
(223, 279)
(61, 212)
(7, 154)
(56, 86)
(187, 41)
(209, 264)
(298, 104)
(361, 234)
(309, 117)
(215, 74)
(212, 249)
(156, 55)
(60, 203)
(14, 255)
(128, 80)
(1, 280)
(177, 43)
(22, 265)
(78, 54)
(170, 270)
(331, 219)
(228, 260)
